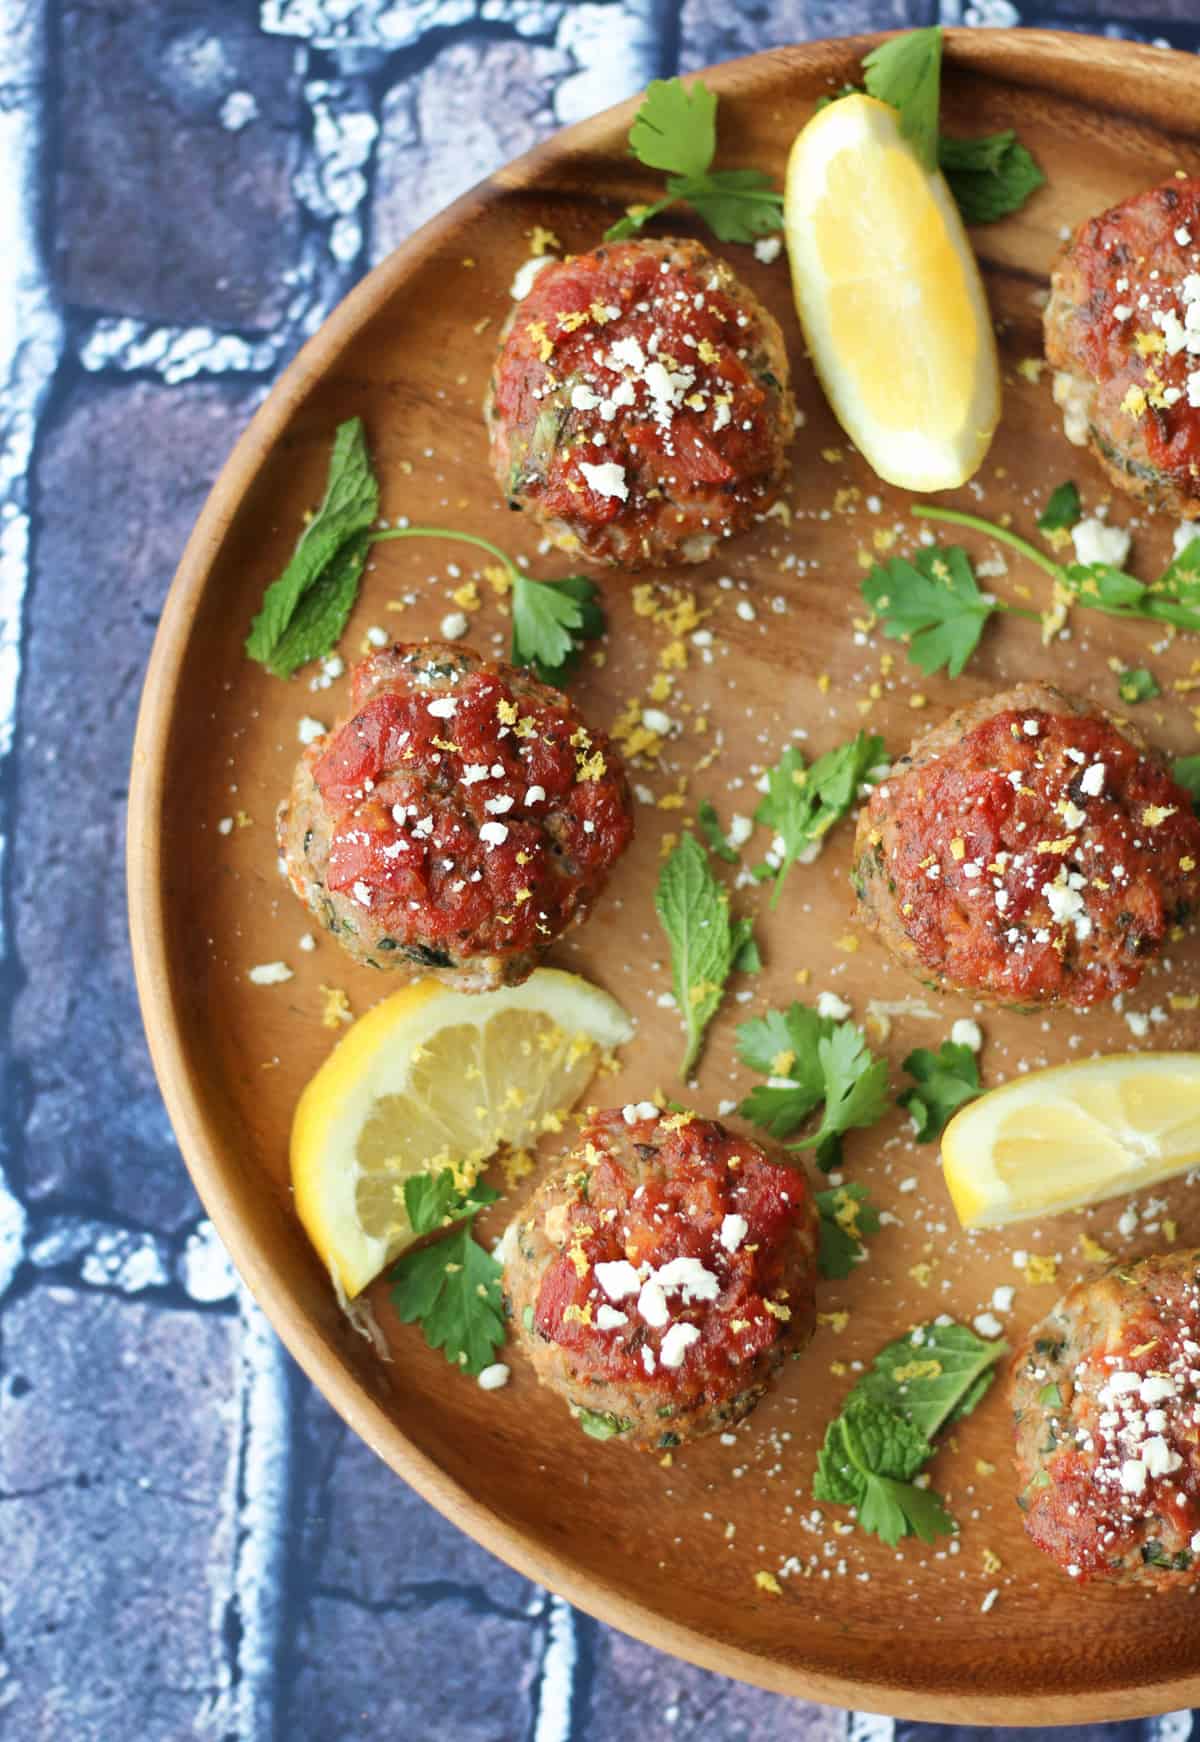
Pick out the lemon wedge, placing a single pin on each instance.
(1058, 1139)
(890, 298)
(429, 1079)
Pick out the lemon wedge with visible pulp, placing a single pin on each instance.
(890, 298)
(429, 1079)
(1058, 1139)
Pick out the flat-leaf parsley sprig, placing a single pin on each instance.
(885, 1431)
(989, 176)
(676, 130)
(809, 1059)
(803, 803)
(706, 943)
(450, 1288)
(933, 602)
(305, 611)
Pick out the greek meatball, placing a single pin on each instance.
(1027, 852)
(1122, 326)
(639, 406)
(457, 821)
(658, 1279)
(1106, 1399)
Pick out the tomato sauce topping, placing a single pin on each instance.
(681, 1269)
(471, 810)
(1126, 1457)
(1139, 270)
(1044, 856)
(638, 376)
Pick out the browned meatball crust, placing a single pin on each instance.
(1122, 328)
(1027, 851)
(658, 1278)
(1106, 1402)
(457, 820)
(639, 405)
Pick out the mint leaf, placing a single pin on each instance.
(847, 1215)
(1062, 511)
(714, 834)
(550, 621)
(932, 1377)
(329, 555)
(906, 73)
(1137, 685)
(945, 1080)
(433, 1200)
(989, 177)
(452, 1290)
(934, 603)
(693, 910)
(803, 803)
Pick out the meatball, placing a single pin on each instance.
(1106, 1400)
(1121, 330)
(639, 405)
(1027, 852)
(659, 1277)
(457, 821)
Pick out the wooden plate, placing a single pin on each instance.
(670, 1554)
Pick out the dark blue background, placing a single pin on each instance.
(191, 1545)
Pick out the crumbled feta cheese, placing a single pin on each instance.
(767, 249)
(225, 826)
(607, 479)
(967, 1032)
(443, 707)
(454, 625)
(734, 1229)
(655, 720)
(493, 1377)
(535, 795)
(525, 274)
(618, 1279)
(378, 637)
(676, 1343)
(307, 941)
(269, 974)
(829, 1004)
(635, 1111)
(609, 1319)
(493, 834)
(309, 730)
(987, 1324)
(1091, 781)
(1002, 1298)
(1097, 542)
(652, 1304)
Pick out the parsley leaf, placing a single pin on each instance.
(1186, 770)
(989, 177)
(714, 834)
(934, 1376)
(944, 1081)
(1136, 684)
(932, 602)
(452, 1290)
(675, 131)
(434, 1200)
(693, 910)
(847, 1214)
(802, 804)
(305, 610)
(885, 1430)
(906, 73)
(550, 620)
(1062, 511)
(811, 1059)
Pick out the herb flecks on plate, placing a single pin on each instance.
(706, 943)
(676, 130)
(305, 611)
(885, 1431)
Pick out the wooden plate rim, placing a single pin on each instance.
(207, 1158)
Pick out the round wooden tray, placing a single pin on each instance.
(670, 1554)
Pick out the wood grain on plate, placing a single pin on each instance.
(670, 1553)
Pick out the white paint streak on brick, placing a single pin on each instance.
(555, 1691)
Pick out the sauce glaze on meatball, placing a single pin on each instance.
(1123, 329)
(1106, 1396)
(457, 821)
(1028, 852)
(639, 405)
(659, 1277)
